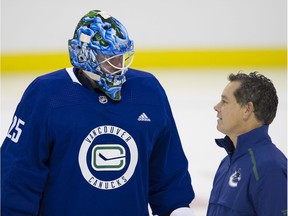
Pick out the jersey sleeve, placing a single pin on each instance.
(170, 181)
(24, 156)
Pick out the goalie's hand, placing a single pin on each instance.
(184, 211)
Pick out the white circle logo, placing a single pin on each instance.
(108, 158)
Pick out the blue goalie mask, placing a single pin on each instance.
(102, 49)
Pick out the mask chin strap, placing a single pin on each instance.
(111, 91)
(92, 76)
(98, 78)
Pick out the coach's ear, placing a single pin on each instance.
(184, 211)
(248, 110)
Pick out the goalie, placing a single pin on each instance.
(95, 139)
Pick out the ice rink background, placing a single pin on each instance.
(192, 94)
(44, 26)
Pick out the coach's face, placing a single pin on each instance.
(229, 113)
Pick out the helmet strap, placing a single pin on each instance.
(91, 75)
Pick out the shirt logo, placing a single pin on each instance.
(143, 117)
(103, 99)
(235, 178)
(108, 166)
(109, 157)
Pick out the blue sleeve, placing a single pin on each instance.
(271, 196)
(170, 182)
(24, 156)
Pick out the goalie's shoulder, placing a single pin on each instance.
(49, 87)
(51, 81)
(53, 76)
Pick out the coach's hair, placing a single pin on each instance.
(259, 90)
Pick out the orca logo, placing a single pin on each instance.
(235, 178)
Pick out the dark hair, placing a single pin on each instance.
(259, 90)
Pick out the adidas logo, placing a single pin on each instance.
(143, 117)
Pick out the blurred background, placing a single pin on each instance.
(189, 45)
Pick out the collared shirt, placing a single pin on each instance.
(252, 179)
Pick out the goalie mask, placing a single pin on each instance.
(102, 49)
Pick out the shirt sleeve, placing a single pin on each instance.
(170, 181)
(24, 156)
(271, 196)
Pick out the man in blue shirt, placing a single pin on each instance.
(252, 179)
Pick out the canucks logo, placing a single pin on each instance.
(108, 157)
(235, 178)
(108, 165)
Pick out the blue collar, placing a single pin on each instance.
(244, 141)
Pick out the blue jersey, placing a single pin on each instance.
(72, 151)
(252, 180)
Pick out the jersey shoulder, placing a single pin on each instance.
(143, 84)
(62, 75)
(52, 89)
(134, 73)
